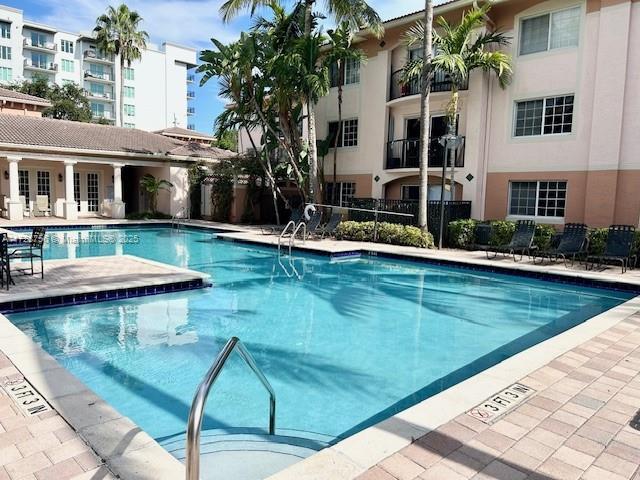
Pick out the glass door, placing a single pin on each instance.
(93, 193)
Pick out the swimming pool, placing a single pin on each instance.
(344, 345)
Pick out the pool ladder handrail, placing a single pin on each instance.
(284, 232)
(194, 425)
(174, 218)
(292, 239)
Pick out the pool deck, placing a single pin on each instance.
(92, 278)
(582, 422)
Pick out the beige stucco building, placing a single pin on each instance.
(560, 144)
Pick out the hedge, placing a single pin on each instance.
(392, 233)
(462, 235)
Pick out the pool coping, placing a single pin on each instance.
(105, 430)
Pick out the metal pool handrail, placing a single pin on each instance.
(175, 217)
(283, 233)
(196, 413)
(292, 239)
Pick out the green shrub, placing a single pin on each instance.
(390, 233)
(147, 216)
(501, 232)
(597, 240)
(462, 233)
(543, 236)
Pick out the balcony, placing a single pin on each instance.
(105, 96)
(191, 78)
(441, 83)
(97, 56)
(191, 94)
(40, 66)
(405, 153)
(41, 46)
(99, 76)
(191, 110)
(191, 126)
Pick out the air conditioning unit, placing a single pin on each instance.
(27, 62)
(53, 66)
(50, 45)
(27, 41)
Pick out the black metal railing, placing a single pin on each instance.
(454, 210)
(441, 83)
(405, 153)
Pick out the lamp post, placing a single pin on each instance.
(450, 143)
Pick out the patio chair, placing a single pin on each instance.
(330, 228)
(521, 241)
(26, 210)
(41, 207)
(5, 267)
(31, 250)
(313, 225)
(296, 216)
(572, 243)
(618, 247)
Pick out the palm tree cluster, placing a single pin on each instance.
(273, 76)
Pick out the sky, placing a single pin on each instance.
(186, 22)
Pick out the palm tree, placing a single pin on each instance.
(356, 12)
(152, 186)
(339, 54)
(460, 49)
(117, 33)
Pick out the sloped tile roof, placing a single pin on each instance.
(47, 132)
(13, 96)
(183, 132)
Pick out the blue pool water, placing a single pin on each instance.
(344, 345)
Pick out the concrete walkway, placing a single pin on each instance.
(583, 423)
(42, 446)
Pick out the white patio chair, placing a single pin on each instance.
(41, 207)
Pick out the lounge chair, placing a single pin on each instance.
(26, 210)
(521, 241)
(331, 226)
(313, 225)
(31, 250)
(618, 247)
(572, 243)
(296, 216)
(41, 207)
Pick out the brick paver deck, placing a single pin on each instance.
(42, 447)
(583, 423)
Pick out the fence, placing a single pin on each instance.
(454, 210)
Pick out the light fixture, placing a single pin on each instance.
(6, 175)
(60, 177)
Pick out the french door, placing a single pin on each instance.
(93, 192)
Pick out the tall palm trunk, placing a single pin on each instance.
(311, 117)
(121, 91)
(452, 130)
(335, 140)
(424, 114)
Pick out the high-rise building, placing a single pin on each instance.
(156, 91)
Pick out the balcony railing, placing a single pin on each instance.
(88, 74)
(191, 94)
(97, 55)
(29, 63)
(405, 153)
(191, 110)
(441, 83)
(27, 42)
(191, 78)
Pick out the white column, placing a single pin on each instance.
(70, 204)
(15, 206)
(117, 207)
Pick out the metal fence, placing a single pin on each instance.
(454, 210)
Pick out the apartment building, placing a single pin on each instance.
(558, 145)
(157, 92)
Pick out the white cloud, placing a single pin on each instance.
(186, 22)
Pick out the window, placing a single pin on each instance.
(545, 116)
(96, 70)
(66, 46)
(96, 89)
(559, 29)
(129, 92)
(40, 60)
(351, 73)
(345, 192)
(67, 65)
(97, 109)
(76, 188)
(129, 125)
(92, 192)
(349, 135)
(129, 110)
(6, 74)
(540, 198)
(23, 183)
(5, 53)
(5, 30)
(410, 192)
(128, 73)
(38, 39)
(44, 186)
